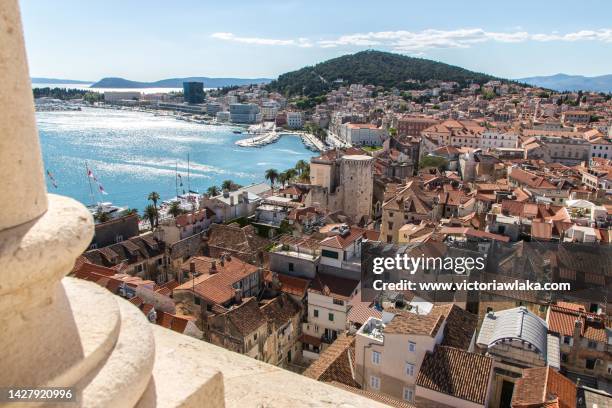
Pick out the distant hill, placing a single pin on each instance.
(178, 82)
(58, 81)
(371, 67)
(563, 82)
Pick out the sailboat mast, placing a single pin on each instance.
(176, 178)
(188, 182)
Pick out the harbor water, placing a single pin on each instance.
(133, 153)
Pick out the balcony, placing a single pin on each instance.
(64, 332)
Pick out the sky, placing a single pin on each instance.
(151, 40)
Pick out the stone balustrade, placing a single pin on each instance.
(64, 332)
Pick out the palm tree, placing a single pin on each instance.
(212, 191)
(101, 216)
(227, 185)
(272, 175)
(305, 174)
(154, 196)
(301, 165)
(150, 213)
(291, 173)
(131, 211)
(283, 178)
(175, 209)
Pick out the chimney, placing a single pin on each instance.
(222, 259)
(192, 268)
(231, 201)
(578, 328)
(238, 295)
(225, 192)
(213, 267)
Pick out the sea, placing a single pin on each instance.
(134, 153)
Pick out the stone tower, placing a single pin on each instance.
(357, 181)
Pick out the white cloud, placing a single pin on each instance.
(417, 42)
(299, 42)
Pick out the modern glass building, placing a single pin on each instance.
(193, 92)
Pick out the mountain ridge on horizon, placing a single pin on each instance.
(209, 82)
(564, 82)
(374, 67)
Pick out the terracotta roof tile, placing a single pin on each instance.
(334, 363)
(543, 387)
(217, 287)
(457, 373)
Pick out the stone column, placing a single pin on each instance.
(54, 332)
(22, 190)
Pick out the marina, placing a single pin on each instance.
(133, 153)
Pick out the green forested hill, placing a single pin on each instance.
(371, 67)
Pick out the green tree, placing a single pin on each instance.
(154, 197)
(433, 161)
(212, 191)
(227, 185)
(101, 216)
(392, 131)
(291, 174)
(272, 176)
(150, 214)
(301, 165)
(175, 209)
(283, 178)
(131, 211)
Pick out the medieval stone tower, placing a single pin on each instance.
(356, 179)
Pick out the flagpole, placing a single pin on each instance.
(91, 193)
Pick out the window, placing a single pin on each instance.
(567, 340)
(564, 357)
(409, 369)
(375, 357)
(374, 382)
(590, 364)
(609, 368)
(592, 345)
(390, 225)
(411, 346)
(290, 266)
(197, 300)
(330, 316)
(329, 254)
(315, 313)
(338, 302)
(408, 394)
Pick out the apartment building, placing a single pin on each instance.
(328, 305)
(362, 134)
(390, 352)
(575, 117)
(584, 340)
(295, 120)
(413, 125)
(407, 204)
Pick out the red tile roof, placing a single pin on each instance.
(217, 287)
(563, 321)
(457, 373)
(543, 387)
